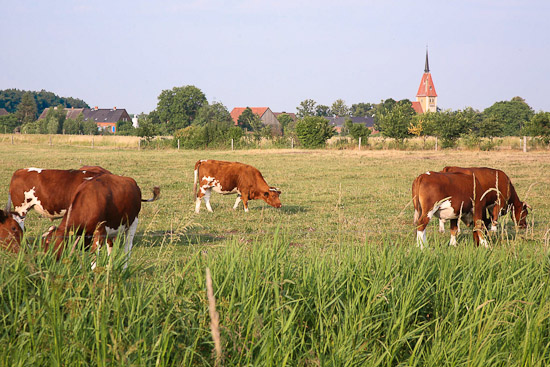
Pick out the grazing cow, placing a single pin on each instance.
(500, 195)
(48, 191)
(230, 178)
(101, 208)
(10, 231)
(450, 196)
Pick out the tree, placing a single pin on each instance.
(394, 123)
(314, 131)
(177, 108)
(362, 109)
(248, 120)
(306, 108)
(8, 123)
(322, 110)
(450, 126)
(539, 125)
(285, 120)
(26, 110)
(513, 115)
(358, 130)
(215, 112)
(489, 127)
(125, 128)
(381, 109)
(339, 108)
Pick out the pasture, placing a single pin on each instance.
(332, 278)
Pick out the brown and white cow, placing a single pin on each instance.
(449, 196)
(101, 208)
(232, 178)
(500, 195)
(10, 231)
(48, 191)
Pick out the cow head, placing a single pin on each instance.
(10, 231)
(520, 214)
(271, 197)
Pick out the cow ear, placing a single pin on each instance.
(3, 216)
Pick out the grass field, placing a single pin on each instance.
(332, 278)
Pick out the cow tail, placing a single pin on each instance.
(156, 195)
(416, 199)
(196, 178)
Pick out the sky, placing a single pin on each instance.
(275, 54)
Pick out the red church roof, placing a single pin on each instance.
(236, 112)
(417, 107)
(426, 88)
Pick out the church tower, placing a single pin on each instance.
(427, 96)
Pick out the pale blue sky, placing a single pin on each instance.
(278, 53)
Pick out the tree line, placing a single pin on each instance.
(185, 113)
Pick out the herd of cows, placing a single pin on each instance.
(98, 205)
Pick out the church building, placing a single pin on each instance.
(426, 97)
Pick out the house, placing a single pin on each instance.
(3, 112)
(292, 115)
(105, 118)
(266, 115)
(340, 122)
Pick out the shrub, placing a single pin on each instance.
(314, 131)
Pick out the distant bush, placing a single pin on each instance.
(314, 131)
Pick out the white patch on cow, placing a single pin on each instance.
(31, 200)
(218, 188)
(443, 210)
(34, 169)
(130, 240)
(88, 178)
(204, 160)
(493, 227)
(112, 232)
(421, 238)
(428, 173)
(453, 241)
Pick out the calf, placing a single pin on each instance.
(500, 195)
(232, 178)
(10, 231)
(449, 196)
(48, 191)
(101, 208)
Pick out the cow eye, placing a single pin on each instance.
(13, 228)
(266, 194)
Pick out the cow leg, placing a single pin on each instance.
(237, 201)
(130, 241)
(441, 225)
(494, 218)
(421, 231)
(207, 199)
(100, 235)
(454, 232)
(244, 198)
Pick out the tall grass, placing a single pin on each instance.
(379, 304)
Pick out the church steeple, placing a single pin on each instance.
(427, 66)
(426, 96)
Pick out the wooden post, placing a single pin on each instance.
(178, 144)
(524, 144)
(292, 143)
(436, 143)
(139, 144)
(92, 141)
(359, 143)
(12, 140)
(231, 143)
(50, 140)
